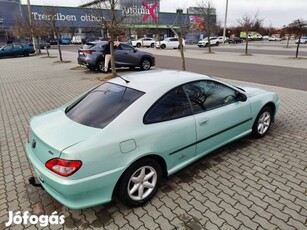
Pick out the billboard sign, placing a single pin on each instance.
(140, 11)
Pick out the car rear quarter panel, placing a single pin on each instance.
(76, 193)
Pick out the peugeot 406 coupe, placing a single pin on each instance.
(121, 137)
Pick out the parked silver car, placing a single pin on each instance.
(145, 42)
(169, 43)
(303, 40)
(92, 56)
(214, 41)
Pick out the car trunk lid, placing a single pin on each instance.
(53, 132)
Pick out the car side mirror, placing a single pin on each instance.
(241, 96)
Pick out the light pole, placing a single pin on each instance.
(225, 21)
(31, 25)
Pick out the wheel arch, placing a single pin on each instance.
(273, 107)
(157, 158)
(146, 58)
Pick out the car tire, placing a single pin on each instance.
(25, 54)
(139, 182)
(100, 65)
(263, 122)
(152, 45)
(145, 64)
(163, 46)
(138, 45)
(217, 44)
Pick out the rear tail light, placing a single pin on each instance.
(63, 167)
(88, 51)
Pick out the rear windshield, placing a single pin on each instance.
(88, 46)
(92, 44)
(102, 105)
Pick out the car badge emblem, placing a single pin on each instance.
(33, 144)
(50, 152)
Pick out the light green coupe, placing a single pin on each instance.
(121, 137)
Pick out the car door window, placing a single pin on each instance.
(172, 105)
(126, 47)
(8, 47)
(207, 95)
(17, 46)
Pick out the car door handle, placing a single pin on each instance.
(204, 122)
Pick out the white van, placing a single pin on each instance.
(76, 39)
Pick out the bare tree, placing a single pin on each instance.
(206, 10)
(298, 27)
(23, 28)
(53, 27)
(247, 23)
(183, 28)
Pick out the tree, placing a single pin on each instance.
(111, 20)
(206, 11)
(247, 23)
(52, 26)
(183, 27)
(299, 28)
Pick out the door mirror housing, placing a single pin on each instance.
(241, 96)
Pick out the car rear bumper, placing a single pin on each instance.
(78, 193)
(81, 61)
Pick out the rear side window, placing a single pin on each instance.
(87, 46)
(172, 105)
(102, 105)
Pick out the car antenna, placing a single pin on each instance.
(123, 79)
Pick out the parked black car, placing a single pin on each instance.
(235, 40)
(91, 55)
(42, 45)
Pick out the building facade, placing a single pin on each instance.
(142, 17)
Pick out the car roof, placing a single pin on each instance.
(158, 80)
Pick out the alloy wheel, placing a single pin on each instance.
(264, 123)
(142, 183)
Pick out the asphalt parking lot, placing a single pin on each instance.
(249, 184)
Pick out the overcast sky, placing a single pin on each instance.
(274, 13)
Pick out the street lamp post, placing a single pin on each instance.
(225, 21)
(31, 24)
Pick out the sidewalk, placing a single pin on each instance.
(263, 59)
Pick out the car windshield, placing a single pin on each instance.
(102, 105)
